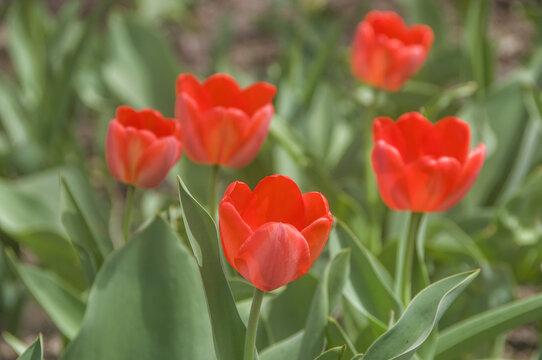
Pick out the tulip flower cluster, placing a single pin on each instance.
(273, 234)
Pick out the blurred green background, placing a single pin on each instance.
(67, 65)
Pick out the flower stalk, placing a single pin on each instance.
(252, 328)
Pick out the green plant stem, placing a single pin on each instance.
(128, 212)
(213, 190)
(405, 256)
(252, 328)
(370, 185)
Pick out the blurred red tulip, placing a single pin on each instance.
(223, 124)
(142, 146)
(386, 52)
(273, 235)
(423, 167)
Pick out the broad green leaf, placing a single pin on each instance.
(85, 226)
(15, 343)
(147, 303)
(228, 329)
(336, 336)
(477, 45)
(324, 300)
(61, 302)
(285, 349)
(369, 286)
(34, 223)
(522, 214)
(34, 351)
(141, 69)
(527, 146)
(421, 316)
(335, 353)
(483, 327)
(289, 310)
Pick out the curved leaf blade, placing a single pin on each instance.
(34, 351)
(60, 302)
(471, 332)
(147, 303)
(322, 304)
(419, 319)
(228, 328)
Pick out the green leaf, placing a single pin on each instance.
(15, 343)
(85, 226)
(34, 351)
(325, 298)
(369, 286)
(147, 303)
(33, 222)
(142, 68)
(483, 327)
(289, 310)
(335, 353)
(336, 336)
(228, 329)
(62, 303)
(421, 316)
(285, 349)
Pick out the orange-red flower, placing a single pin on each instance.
(142, 146)
(386, 52)
(424, 167)
(273, 235)
(223, 124)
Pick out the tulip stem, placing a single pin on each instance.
(212, 191)
(252, 328)
(128, 212)
(405, 256)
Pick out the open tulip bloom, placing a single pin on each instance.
(142, 146)
(273, 235)
(423, 167)
(386, 53)
(222, 123)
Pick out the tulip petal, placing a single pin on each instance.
(222, 90)
(316, 235)
(253, 138)
(238, 193)
(454, 138)
(316, 206)
(273, 256)
(418, 136)
(224, 130)
(190, 118)
(421, 35)
(385, 129)
(115, 150)
(430, 181)
(466, 179)
(256, 96)
(155, 163)
(389, 169)
(137, 143)
(275, 199)
(233, 230)
(189, 85)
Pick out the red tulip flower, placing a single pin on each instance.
(423, 167)
(223, 124)
(142, 146)
(386, 52)
(273, 235)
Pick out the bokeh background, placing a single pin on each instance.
(67, 65)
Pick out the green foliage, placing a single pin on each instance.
(168, 293)
(152, 290)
